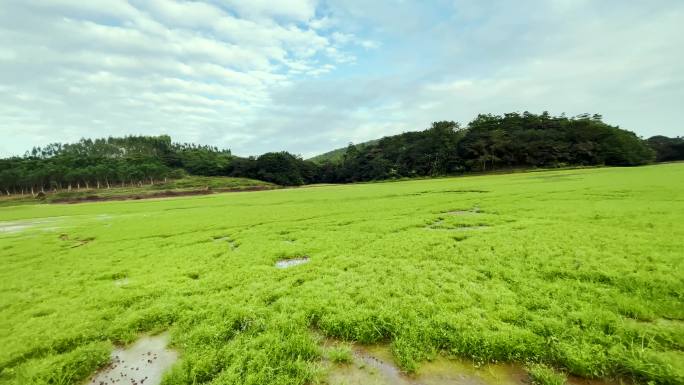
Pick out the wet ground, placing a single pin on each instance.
(374, 365)
(142, 363)
(285, 263)
(13, 227)
(18, 226)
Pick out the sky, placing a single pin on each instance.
(308, 76)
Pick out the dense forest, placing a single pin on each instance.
(489, 142)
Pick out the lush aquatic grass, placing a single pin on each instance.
(580, 270)
(341, 354)
(541, 374)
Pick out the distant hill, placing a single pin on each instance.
(335, 156)
(487, 143)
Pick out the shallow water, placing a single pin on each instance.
(285, 263)
(13, 227)
(374, 365)
(19, 226)
(142, 363)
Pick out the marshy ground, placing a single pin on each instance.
(578, 270)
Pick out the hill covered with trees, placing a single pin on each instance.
(492, 142)
(337, 154)
(489, 142)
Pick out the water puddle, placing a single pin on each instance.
(142, 363)
(19, 226)
(285, 263)
(374, 365)
(13, 227)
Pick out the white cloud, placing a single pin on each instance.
(306, 77)
(296, 10)
(191, 69)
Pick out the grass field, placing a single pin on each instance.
(580, 270)
(173, 187)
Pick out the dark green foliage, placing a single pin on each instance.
(667, 149)
(490, 142)
(336, 155)
(515, 140)
(132, 160)
(205, 161)
(429, 152)
(279, 167)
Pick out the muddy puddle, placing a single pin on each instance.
(143, 363)
(374, 365)
(285, 263)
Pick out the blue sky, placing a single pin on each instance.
(307, 76)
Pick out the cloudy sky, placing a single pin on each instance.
(311, 75)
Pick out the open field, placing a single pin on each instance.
(578, 269)
(188, 185)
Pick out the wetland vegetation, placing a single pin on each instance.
(571, 273)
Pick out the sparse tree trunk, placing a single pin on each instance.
(87, 185)
(32, 193)
(78, 186)
(98, 184)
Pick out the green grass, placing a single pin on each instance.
(580, 270)
(341, 354)
(174, 186)
(543, 375)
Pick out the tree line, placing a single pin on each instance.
(494, 142)
(489, 142)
